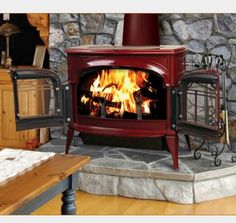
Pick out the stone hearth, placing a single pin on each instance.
(148, 174)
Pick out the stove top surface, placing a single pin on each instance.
(126, 49)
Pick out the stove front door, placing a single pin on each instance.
(42, 87)
(198, 101)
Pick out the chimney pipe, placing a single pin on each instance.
(141, 30)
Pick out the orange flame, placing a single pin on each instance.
(118, 86)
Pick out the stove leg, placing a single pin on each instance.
(70, 135)
(173, 145)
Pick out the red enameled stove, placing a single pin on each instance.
(141, 53)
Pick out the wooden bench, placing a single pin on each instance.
(27, 192)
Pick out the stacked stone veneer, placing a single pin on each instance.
(201, 33)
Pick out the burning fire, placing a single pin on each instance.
(120, 91)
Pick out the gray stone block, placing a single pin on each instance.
(92, 23)
(98, 184)
(119, 33)
(176, 191)
(232, 94)
(57, 34)
(166, 27)
(201, 30)
(169, 40)
(54, 17)
(115, 16)
(222, 50)
(181, 29)
(72, 29)
(215, 188)
(196, 46)
(232, 73)
(215, 40)
(56, 55)
(66, 17)
(109, 27)
(144, 188)
(225, 24)
(104, 39)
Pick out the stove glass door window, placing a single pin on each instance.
(199, 111)
(39, 98)
(36, 92)
(119, 93)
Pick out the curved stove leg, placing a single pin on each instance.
(70, 135)
(173, 145)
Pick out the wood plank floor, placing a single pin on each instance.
(88, 204)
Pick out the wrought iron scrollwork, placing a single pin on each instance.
(233, 158)
(210, 61)
(197, 155)
(215, 152)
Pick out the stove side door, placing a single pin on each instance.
(199, 104)
(39, 98)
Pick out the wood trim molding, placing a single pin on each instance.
(41, 22)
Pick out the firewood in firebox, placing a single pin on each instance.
(150, 88)
(103, 108)
(108, 103)
(110, 85)
(148, 91)
(138, 97)
(139, 111)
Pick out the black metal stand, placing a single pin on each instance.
(233, 158)
(197, 155)
(215, 152)
(217, 62)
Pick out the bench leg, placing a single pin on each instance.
(68, 199)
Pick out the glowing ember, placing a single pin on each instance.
(119, 90)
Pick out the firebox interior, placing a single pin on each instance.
(121, 93)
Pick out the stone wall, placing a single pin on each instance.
(201, 33)
(67, 30)
(205, 34)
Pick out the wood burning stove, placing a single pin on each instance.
(151, 73)
(138, 89)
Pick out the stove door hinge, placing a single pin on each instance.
(67, 103)
(174, 107)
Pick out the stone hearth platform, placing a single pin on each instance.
(148, 174)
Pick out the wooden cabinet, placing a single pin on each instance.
(9, 137)
(30, 103)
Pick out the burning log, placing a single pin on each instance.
(138, 100)
(103, 108)
(143, 104)
(97, 105)
(150, 88)
(110, 85)
(139, 111)
(107, 103)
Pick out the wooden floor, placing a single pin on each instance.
(88, 204)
